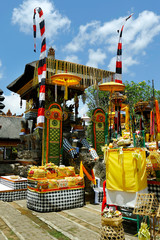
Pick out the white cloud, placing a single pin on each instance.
(23, 16)
(69, 102)
(83, 37)
(82, 110)
(82, 107)
(94, 33)
(137, 35)
(72, 58)
(96, 57)
(143, 30)
(127, 62)
(101, 38)
(144, 53)
(12, 102)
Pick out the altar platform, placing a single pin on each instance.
(12, 188)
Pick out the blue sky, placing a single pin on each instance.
(84, 32)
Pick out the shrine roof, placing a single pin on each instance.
(29, 79)
(24, 78)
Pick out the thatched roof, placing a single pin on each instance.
(24, 78)
(28, 81)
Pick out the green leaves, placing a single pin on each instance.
(139, 91)
(134, 92)
(96, 98)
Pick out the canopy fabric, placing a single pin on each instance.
(111, 87)
(65, 79)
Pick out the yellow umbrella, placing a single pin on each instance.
(111, 87)
(65, 79)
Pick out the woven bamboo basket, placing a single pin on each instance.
(115, 221)
(146, 204)
(158, 212)
(112, 233)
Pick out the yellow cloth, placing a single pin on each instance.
(81, 170)
(127, 119)
(105, 149)
(93, 177)
(158, 136)
(66, 93)
(147, 137)
(124, 173)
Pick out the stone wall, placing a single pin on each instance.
(14, 169)
(100, 171)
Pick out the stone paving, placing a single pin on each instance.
(18, 222)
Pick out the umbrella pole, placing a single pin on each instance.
(55, 92)
(110, 127)
(116, 121)
(111, 117)
(61, 150)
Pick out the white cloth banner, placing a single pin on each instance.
(123, 199)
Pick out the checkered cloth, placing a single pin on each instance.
(14, 185)
(98, 195)
(154, 188)
(69, 149)
(92, 151)
(32, 184)
(97, 182)
(13, 195)
(56, 200)
(98, 191)
(13, 191)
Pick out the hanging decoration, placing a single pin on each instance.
(90, 177)
(41, 66)
(157, 116)
(104, 202)
(117, 99)
(118, 75)
(106, 128)
(127, 119)
(151, 123)
(93, 76)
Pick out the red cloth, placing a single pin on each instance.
(104, 202)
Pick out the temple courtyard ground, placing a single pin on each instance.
(18, 222)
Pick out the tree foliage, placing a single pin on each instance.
(96, 98)
(139, 91)
(134, 92)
